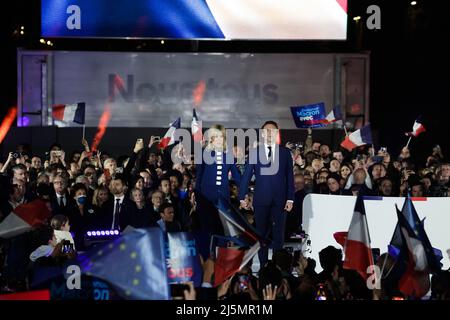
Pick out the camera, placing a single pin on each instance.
(16, 155)
(383, 149)
(244, 281)
(377, 159)
(298, 146)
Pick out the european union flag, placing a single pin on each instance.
(134, 264)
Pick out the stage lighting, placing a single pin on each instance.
(413, 3)
(357, 18)
(94, 237)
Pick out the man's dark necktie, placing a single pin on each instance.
(61, 202)
(116, 215)
(270, 154)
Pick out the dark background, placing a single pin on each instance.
(410, 66)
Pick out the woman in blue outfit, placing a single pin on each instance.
(212, 180)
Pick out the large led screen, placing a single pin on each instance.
(196, 19)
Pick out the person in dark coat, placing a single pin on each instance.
(274, 187)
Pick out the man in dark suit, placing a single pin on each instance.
(118, 211)
(60, 199)
(274, 187)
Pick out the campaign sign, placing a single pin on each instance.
(309, 116)
(183, 259)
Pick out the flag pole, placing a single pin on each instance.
(345, 128)
(84, 131)
(409, 140)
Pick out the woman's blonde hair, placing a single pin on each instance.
(211, 133)
(96, 192)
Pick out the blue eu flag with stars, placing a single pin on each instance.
(134, 264)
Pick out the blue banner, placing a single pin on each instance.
(309, 116)
(183, 259)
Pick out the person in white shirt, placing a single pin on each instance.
(61, 226)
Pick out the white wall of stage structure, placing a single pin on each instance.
(323, 215)
(242, 90)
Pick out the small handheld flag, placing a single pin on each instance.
(334, 115)
(358, 138)
(168, 138)
(418, 128)
(69, 112)
(358, 253)
(196, 127)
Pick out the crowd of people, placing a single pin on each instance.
(92, 190)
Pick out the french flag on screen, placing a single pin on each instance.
(69, 112)
(358, 138)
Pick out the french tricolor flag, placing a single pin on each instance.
(415, 282)
(358, 253)
(24, 218)
(69, 112)
(358, 138)
(168, 138)
(196, 128)
(230, 260)
(418, 128)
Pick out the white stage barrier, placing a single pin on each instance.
(323, 215)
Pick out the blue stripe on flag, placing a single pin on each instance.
(366, 134)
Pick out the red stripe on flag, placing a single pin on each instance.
(358, 257)
(341, 237)
(418, 198)
(164, 142)
(348, 144)
(414, 283)
(34, 213)
(30, 295)
(343, 4)
(58, 112)
(419, 130)
(227, 264)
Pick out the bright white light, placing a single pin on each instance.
(413, 3)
